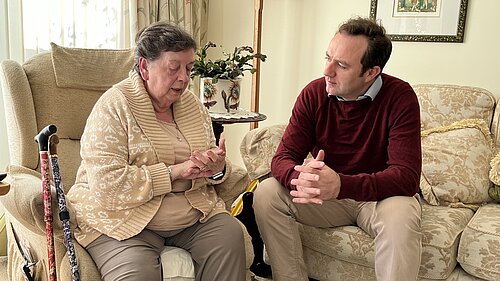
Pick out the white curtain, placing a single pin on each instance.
(192, 15)
(11, 39)
(30, 25)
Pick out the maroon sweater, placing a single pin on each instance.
(373, 145)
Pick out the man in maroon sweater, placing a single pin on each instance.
(363, 129)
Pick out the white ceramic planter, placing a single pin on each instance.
(220, 97)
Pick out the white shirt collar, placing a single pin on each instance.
(370, 93)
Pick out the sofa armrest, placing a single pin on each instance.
(36, 245)
(258, 147)
(86, 266)
(24, 201)
(18, 101)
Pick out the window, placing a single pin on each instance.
(30, 25)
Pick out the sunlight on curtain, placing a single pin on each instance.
(70, 23)
(11, 40)
(28, 26)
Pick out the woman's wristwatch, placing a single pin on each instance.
(219, 175)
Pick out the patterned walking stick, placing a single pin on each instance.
(63, 210)
(43, 141)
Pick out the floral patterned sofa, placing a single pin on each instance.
(460, 222)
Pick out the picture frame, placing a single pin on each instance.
(421, 20)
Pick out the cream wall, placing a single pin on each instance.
(296, 34)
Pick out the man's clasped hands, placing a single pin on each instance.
(316, 182)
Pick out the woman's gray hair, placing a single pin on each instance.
(160, 37)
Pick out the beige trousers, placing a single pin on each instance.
(216, 246)
(394, 223)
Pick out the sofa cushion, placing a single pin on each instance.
(82, 68)
(181, 265)
(75, 78)
(479, 250)
(441, 229)
(455, 164)
(441, 105)
(347, 243)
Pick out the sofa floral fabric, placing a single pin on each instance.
(258, 147)
(441, 105)
(322, 267)
(494, 174)
(479, 250)
(455, 164)
(457, 243)
(347, 253)
(441, 229)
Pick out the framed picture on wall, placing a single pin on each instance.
(421, 20)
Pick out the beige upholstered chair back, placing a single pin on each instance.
(59, 87)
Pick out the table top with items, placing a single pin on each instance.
(241, 116)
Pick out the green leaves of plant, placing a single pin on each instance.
(231, 67)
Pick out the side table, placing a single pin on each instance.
(242, 116)
(246, 216)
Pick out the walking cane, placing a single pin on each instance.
(63, 210)
(43, 142)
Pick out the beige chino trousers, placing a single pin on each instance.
(216, 246)
(394, 223)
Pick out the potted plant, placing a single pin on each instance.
(220, 79)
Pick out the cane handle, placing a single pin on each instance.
(43, 137)
(53, 142)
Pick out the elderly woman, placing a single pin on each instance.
(149, 163)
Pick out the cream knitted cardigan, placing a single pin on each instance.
(123, 174)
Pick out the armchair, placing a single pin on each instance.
(60, 87)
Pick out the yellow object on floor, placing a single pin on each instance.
(3, 233)
(237, 206)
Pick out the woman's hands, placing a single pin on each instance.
(201, 163)
(212, 160)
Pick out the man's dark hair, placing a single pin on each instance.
(160, 37)
(379, 45)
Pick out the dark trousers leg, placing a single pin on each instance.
(247, 217)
